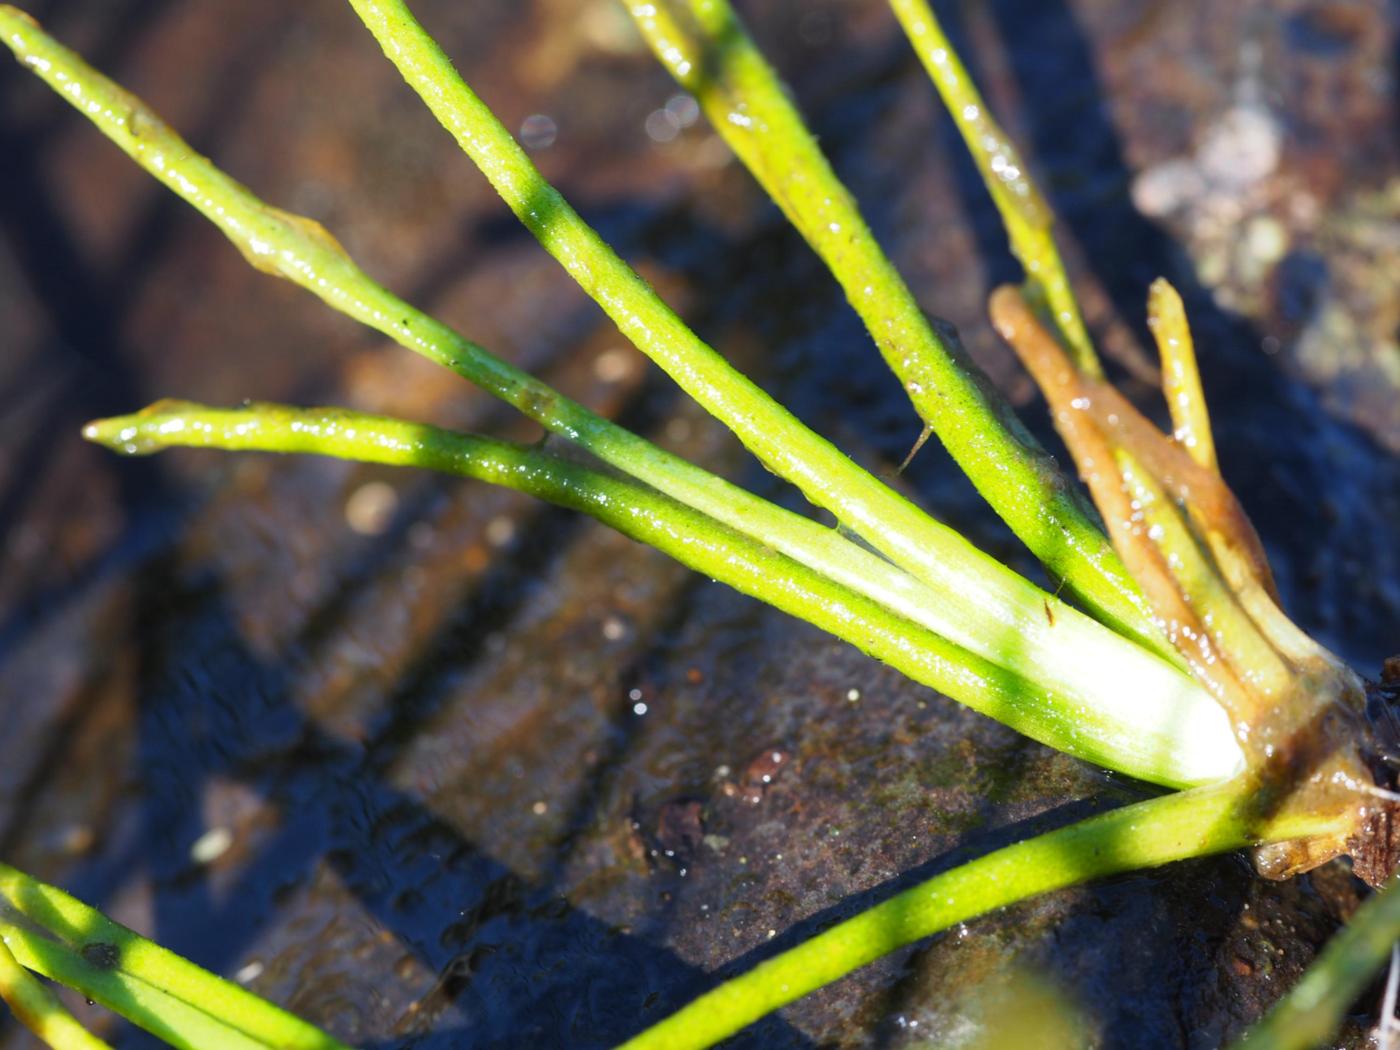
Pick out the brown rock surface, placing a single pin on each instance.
(452, 755)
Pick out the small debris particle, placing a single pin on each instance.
(1168, 187)
(680, 827)
(101, 955)
(212, 845)
(613, 366)
(77, 839)
(370, 508)
(500, 531)
(760, 773)
(1241, 148)
(1266, 240)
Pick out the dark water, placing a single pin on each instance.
(488, 774)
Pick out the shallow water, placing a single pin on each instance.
(484, 773)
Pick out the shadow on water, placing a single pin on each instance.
(1279, 445)
(516, 964)
(530, 967)
(523, 965)
(1300, 471)
(86, 311)
(514, 960)
(1278, 442)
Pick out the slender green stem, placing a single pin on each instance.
(1310, 1014)
(38, 1010)
(150, 985)
(1024, 213)
(709, 52)
(885, 519)
(705, 545)
(1148, 834)
(746, 548)
(978, 604)
(165, 1016)
(909, 537)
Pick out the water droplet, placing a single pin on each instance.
(662, 125)
(538, 131)
(684, 108)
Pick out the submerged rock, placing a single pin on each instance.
(468, 750)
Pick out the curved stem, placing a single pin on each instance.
(1158, 831)
(1024, 213)
(150, 985)
(889, 522)
(169, 1018)
(38, 1010)
(965, 596)
(1184, 749)
(708, 51)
